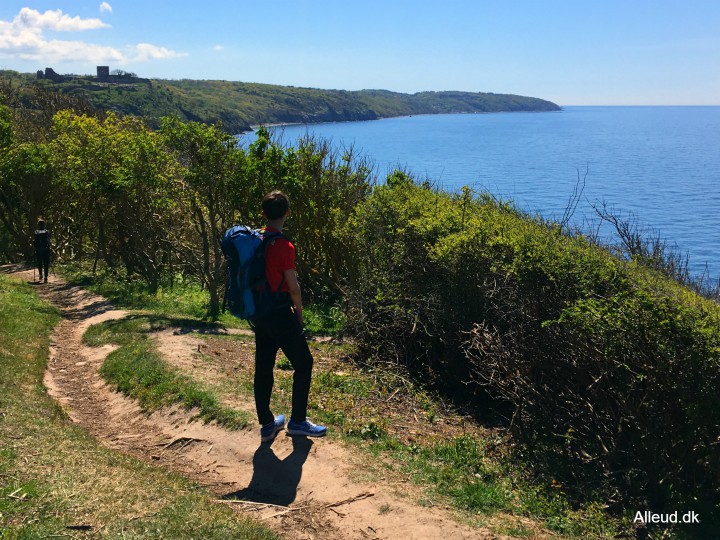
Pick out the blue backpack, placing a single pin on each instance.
(246, 291)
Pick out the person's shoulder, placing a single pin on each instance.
(282, 242)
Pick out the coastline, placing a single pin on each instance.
(254, 127)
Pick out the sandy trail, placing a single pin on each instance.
(302, 488)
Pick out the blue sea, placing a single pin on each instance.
(659, 165)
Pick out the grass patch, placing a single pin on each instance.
(460, 472)
(138, 371)
(324, 319)
(180, 298)
(183, 298)
(53, 476)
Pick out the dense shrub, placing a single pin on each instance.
(612, 370)
(324, 185)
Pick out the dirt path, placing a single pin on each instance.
(302, 488)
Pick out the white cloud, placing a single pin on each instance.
(105, 8)
(144, 51)
(54, 20)
(56, 51)
(23, 38)
(218, 48)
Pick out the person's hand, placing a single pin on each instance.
(298, 314)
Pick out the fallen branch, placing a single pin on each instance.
(185, 440)
(360, 497)
(295, 509)
(251, 503)
(322, 506)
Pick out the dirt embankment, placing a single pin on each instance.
(303, 488)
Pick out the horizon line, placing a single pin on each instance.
(641, 105)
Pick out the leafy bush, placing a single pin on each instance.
(611, 369)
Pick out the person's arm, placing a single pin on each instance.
(294, 291)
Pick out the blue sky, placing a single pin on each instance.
(572, 52)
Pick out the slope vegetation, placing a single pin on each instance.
(239, 105)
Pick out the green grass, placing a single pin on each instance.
(326, 320)
(183, 299)
(460, 472)
(137, 370)
(53, 476)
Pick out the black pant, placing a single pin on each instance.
(42, 259)
(281, 331)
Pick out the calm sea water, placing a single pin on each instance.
(660, 164)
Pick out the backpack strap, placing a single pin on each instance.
(267, 238)
(282, 282)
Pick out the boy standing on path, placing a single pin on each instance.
(282, 329)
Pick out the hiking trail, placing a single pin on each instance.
(302, 488)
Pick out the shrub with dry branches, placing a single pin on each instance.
(610, 367)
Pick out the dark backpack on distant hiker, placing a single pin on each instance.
(247, 293)
(42, 241)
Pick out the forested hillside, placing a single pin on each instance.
(239, 105)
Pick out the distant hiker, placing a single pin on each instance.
(41, 242)
(282, 328)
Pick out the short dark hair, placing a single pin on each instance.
(275, 204)
(41, 224)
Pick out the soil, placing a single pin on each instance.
(303, 488)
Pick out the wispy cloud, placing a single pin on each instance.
(24, 38)
(218, 48)
(105, 8)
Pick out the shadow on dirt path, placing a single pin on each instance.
(275, 481)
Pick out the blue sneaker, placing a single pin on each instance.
(306, 428)
(268, 432)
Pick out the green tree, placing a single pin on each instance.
(324, 186)
(84, 156)
(212, 186)
(144, 210)
(24, 186)
(117, 183)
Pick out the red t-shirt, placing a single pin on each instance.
(279, 256)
